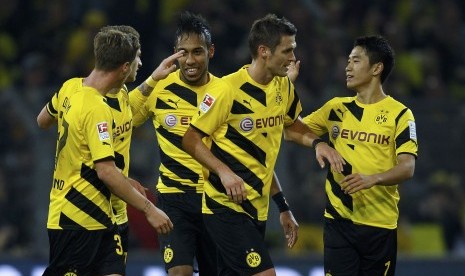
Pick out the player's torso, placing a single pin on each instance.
(122, 131)
(78, 197)
(250, 141)
(122, 128)
(172, 111)
(365, 134)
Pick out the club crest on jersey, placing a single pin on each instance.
(382, 117)
(102, 129)
(335, 131)
(253, 258)
(171, 120)
(206, 103)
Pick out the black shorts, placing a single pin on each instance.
(123, 230)
(351, 249)
(240, 241)
(189, 238)
(85, 252)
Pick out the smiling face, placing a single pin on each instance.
(279, 61)
(193, 64)
(359, 72)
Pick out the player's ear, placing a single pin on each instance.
(377, 68)
(125, 68)
(211, 51)
(263, 51)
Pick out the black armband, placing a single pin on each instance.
(316, 142)
(281, 202)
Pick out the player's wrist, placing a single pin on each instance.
(150, 81)
(316, 142)
(281, 202)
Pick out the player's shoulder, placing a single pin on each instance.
(73, 83)
(340, 100)
(237, 76)
(70, 86)
(392, 101)
(88, 97)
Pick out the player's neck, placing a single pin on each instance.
(258, 73)
(103, 82)
(370, 94)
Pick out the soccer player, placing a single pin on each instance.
(122, 110)
(244, 125)
(179, 190)
(81, 226)
(376, 135)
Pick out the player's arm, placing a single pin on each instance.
(166, 67)
(401, 172)
(121, 187)
(138, 96)
(286, 218)
(300, 133)
(193, 144)
(44, 119)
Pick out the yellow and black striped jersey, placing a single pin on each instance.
(58, 102)
(245, 125)
(78, 198)
(171, 107)
(369, 137)
(122, 117)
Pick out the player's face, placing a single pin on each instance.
(283, 55)
(193, 64)
(359, 72)
(135, 65)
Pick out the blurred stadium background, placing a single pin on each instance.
(45, 42)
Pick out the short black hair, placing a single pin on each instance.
(378, 49)
(190, 23)
(268, 31)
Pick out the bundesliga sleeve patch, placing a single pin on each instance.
(206, 103)
(412, 129)
(102, 129)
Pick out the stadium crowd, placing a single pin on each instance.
(43, 43)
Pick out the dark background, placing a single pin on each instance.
(45, 42)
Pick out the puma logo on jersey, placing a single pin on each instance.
(342, 112)
(248, 102)
(173, 102)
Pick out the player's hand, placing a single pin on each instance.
(234, 185)
(293, 70)
(290, 227)
(356, 182)
(166, 66)
(325, 152)
(139, 187)
(158, 219)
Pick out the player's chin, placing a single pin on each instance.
(130, 78)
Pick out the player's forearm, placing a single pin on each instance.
(193, 144)
(120, 186)
(147, 86)
(403, 171)
(275, 185)
(300, 133)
